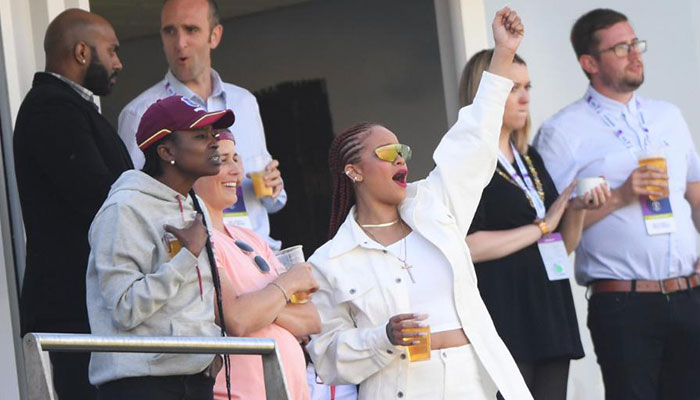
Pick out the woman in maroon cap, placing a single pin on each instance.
(148, 272)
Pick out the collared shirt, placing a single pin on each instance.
(248, 131)
(578, 143)
(82, 91)
(361, 285)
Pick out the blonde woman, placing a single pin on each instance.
(533, 311)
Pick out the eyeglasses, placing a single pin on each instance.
(263, 266)
(623, 49)
(390, 152)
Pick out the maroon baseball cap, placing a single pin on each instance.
(177, 113)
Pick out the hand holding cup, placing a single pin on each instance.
(193, 236)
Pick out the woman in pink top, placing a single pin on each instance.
(255, 289)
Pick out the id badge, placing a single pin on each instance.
(658, 216)
(237, 214)
(553, 253)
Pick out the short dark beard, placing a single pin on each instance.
(632, 85)
(624, 85)
(97, 78)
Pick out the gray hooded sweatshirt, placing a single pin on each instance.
(135, 288)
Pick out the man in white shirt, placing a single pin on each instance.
(190, 30)
(637, 256)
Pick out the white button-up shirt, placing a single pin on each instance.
(578, 142)
(361, 286)
(248, 131)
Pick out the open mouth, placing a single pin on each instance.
(231, 185)
(216, 159)
(400, 177)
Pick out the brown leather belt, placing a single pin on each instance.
(665, 286)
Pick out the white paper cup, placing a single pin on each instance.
(586, 185)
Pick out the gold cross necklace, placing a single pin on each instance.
(406, 266)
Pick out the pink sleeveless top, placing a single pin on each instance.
(247, 382)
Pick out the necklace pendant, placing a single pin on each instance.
(408, 267)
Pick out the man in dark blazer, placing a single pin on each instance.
(66, 158)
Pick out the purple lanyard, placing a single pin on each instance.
(524, 182)
(644, 139)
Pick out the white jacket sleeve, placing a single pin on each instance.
(122, 256)
(466, 156)
(343, 353)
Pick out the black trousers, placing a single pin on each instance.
(177, 387)
(547, 380)
(70, 376)
(647, 344)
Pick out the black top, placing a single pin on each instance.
(66, 158)
(534, 316)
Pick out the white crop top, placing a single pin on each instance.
(433, 290)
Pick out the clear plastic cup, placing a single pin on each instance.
(256, 165)
(180, 221)
(655, 158)
(288, 257)
(420, 351)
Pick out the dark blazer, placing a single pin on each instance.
(66, 158)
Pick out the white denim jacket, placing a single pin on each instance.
(361, 286)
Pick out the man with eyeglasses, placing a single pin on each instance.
(638, 253)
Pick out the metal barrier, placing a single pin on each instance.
(37, 367)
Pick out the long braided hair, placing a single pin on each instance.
(345, 149)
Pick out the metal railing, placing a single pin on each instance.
(38, 369)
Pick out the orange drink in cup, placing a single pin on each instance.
(179, 221)
(257, 167)
(658, 160)
(420, 351)
(288, 257)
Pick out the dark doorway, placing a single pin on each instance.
(299, 131)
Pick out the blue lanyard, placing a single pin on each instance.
(524, 181)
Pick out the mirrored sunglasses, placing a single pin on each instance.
(263, 266)
(390, 152)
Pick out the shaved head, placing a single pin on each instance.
(68, 29)
(82, 46)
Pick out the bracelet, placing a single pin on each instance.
(543, 227)
(284, 292)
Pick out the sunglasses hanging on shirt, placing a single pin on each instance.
(263, 266)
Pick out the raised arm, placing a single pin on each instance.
(466, 156)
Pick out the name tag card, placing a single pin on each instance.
(658, 216)
(237, 214)
(554, 257)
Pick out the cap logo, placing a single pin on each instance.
(192, 104)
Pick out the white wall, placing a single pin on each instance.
(672, 65)
(380, 60)
(672, 62)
